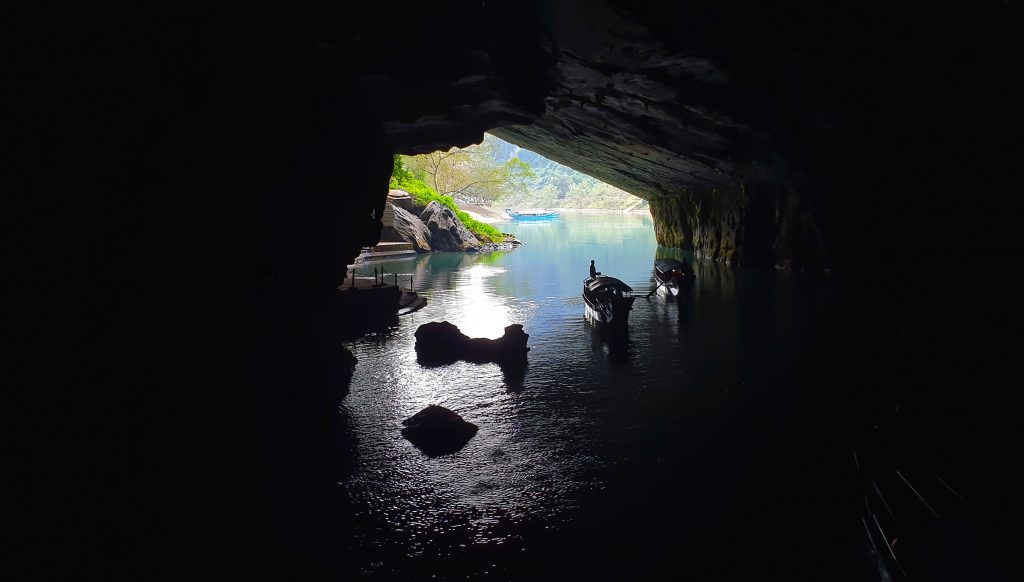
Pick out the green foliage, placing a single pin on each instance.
(482, 230)
(399, 173)
(552, 185)
(424, 195)
(473, 174)
(499, 171)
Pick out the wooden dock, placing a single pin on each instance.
(366, 304)
(386, 250)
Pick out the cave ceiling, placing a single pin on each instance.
(638, 98)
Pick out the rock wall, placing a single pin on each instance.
(759, 224)
(185, 194)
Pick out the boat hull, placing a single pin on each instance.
(538, 217)
(531, 215)
(605, 306)
(596, 315)
(672, 277)
(670, 290)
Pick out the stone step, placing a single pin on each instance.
(389, 247)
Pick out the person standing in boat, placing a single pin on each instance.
(593, 269)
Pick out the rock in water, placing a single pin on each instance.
(447, 233)
(435, 430)
(439, 343)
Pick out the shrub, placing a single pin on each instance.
(424, 195)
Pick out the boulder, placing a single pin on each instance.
(402, 199)
(435, 430)
(407, 227)
(447, 233)
(439, 343)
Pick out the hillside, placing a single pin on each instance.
(558, 186)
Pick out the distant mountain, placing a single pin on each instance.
(557, 185)
(505, 151)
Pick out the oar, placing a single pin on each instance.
(656, 287)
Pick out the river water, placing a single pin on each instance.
(706, 443)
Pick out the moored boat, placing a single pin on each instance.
(672, 276)
(530, 214)
(608, 299)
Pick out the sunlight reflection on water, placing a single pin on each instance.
(481, 312)
(526, 461)
(586, 409)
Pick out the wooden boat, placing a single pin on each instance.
(672, 276)
(530, 214)
(608, 299)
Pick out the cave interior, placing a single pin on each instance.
(190, 192)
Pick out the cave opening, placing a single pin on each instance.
(188, 203)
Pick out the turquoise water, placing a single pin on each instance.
(661, 433)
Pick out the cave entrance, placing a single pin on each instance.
(484, 226)
(499, 174)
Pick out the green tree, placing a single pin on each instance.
(398, 172)
(471, 174)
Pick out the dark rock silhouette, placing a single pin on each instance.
(439, 343)
(361, 311)
(435, 430)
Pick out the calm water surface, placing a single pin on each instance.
(621, 456)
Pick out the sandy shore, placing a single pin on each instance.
(644, 210)
(485, 214)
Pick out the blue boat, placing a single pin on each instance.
(531, 214)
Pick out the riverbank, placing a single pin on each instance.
(645, 210)
(493, 214)
(485, 214)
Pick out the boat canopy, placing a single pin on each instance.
(603, 283)
(668, 265)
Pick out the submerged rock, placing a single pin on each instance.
(435, 430)
(500, 246)
(442, 343)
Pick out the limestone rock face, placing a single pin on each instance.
(447, 233)
(407, 227)
(402, 199)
